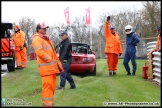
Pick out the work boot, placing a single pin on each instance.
(18, 67)
(110, 73)
(128, 73)
(60, 88)
(133, 74)
(114, 73)
(23, 68)
(72, 87)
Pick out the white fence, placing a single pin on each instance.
(155, 60)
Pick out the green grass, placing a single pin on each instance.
(91, 90)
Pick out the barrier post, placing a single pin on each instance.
(150, 65)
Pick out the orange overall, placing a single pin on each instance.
(48, 65)
(21, 57)
(112, 48)
(158, 44)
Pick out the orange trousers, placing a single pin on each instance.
(112, 61)
(21, 57)
(48, 89)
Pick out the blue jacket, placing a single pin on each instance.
(131, 41)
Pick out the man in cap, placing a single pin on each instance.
(49, 64)
(19, 40)
(158, 44)
(112, 47)
(66, 59)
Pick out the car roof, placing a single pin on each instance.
(6, 26)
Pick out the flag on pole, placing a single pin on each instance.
(66, 12)
(88, 21)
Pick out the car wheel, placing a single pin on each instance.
(94, 72)
(11, 68)
(11, 65)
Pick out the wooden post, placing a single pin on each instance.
(150, 65)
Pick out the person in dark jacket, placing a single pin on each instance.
(66, 59)
(130, 52)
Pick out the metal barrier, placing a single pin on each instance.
(154, 61)
(151, 46)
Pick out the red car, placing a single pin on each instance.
(83, 59)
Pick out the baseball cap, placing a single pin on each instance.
(62, 33)
(17, 26)
(112, 27)
(42, 25)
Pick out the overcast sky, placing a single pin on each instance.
(53, 12)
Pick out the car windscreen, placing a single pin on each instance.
(80, 48)
(76, 48)
(5, 30)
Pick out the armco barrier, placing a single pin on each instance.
(151, 46)
(156, 62)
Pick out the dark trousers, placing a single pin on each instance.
(130, 56)
(66, 75)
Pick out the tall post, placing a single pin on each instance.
(100, 45)
(100, 41)
(90, 35)
(70, 33)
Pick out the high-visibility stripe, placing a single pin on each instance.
(48, 104)
(46, 58)
(24, 63)
(46, 64)
(47, 98)
(37, 47)
(18, 63)
(47, 47)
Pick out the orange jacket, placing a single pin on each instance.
(158, 44)
(113, 44)
(48, 62)
(19, 39)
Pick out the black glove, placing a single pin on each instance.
(108, 18)
(21, 48)
(120, 54)
(159, 50)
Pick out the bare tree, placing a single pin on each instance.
(151, 15)
(53, 33)
(79, 29)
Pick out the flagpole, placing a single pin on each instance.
(90, 25)
(70, 33)
(70, 25)
(88, 21)
(90, 35)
